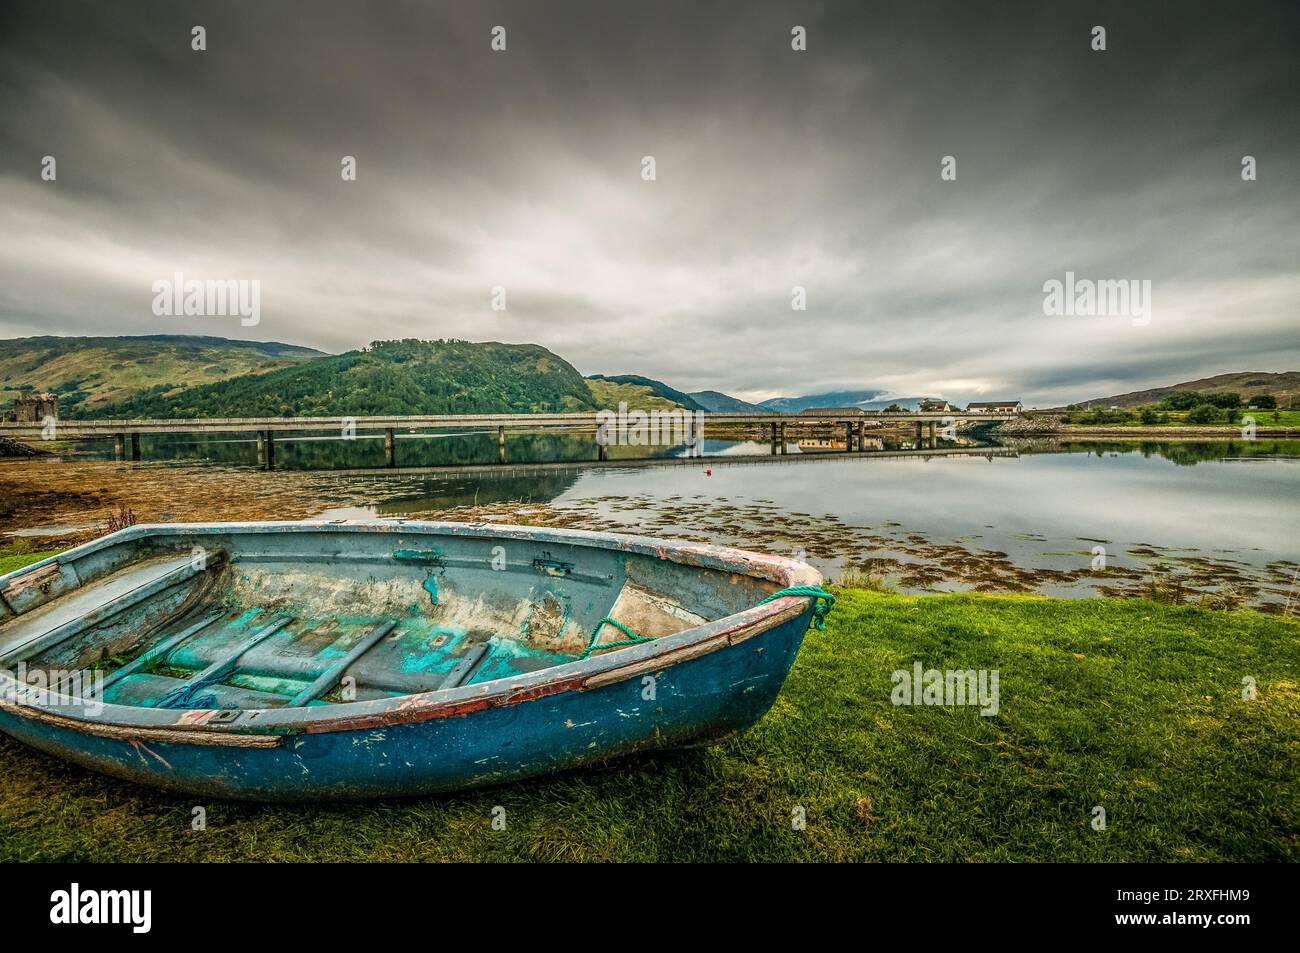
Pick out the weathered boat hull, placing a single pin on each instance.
(697, 701)
(688, 688)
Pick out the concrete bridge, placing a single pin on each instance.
(616, 427)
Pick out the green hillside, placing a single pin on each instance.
(1283, 387)
(609, 394)
(91, 373)
(388, 377)
(655, 387)
(715, 401)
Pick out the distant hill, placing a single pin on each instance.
(907, 403)
(609, 394)
(1284, 386)
(717, 402)
(656, 387)
(866, 399)
(89, 373)
(388, 377)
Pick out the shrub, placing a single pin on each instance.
(1105, 416)
(1223, 399)
(123, 518)
(869, 577)
(1183, 400)
(1203, 414)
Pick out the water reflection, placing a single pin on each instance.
(441, 449)
(1178, 452)
(438, 449)
(976, 521)
(542, 486)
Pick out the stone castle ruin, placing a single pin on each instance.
(33, 408)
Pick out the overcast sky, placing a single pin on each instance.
(775, 168)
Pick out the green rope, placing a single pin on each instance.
(823, 602)
(632, 637)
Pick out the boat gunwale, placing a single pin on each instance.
(602, 669)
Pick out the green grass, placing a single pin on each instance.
(11, 558)
(1129, 705)
(1178, 418)
(1264, 418)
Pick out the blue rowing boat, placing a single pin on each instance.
(344, 659)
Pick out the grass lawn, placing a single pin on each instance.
(10, 560)
(1178, 418)
(1264, 418)
(1129, 705)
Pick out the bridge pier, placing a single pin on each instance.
(848, 436)
(135, 446)
(773, 439)
(501, 445)
(270, 449)
(781, 438)
(920, 436)
(119, 446)
(390, 448)
(934, 434)
(862, 434)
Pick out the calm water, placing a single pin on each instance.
(1028, 505)
(1210, 507)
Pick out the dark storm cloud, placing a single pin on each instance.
(775, 169)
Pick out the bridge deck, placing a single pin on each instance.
(80, 429)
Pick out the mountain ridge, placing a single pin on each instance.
(715, 401)
(1284, 385)
(108, 375)
(680, 398)
(405, 376)
(874, 399)
(93, 371)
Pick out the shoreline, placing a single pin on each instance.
(66, 504)
(1139, 433)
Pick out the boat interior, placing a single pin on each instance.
(277, 615)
